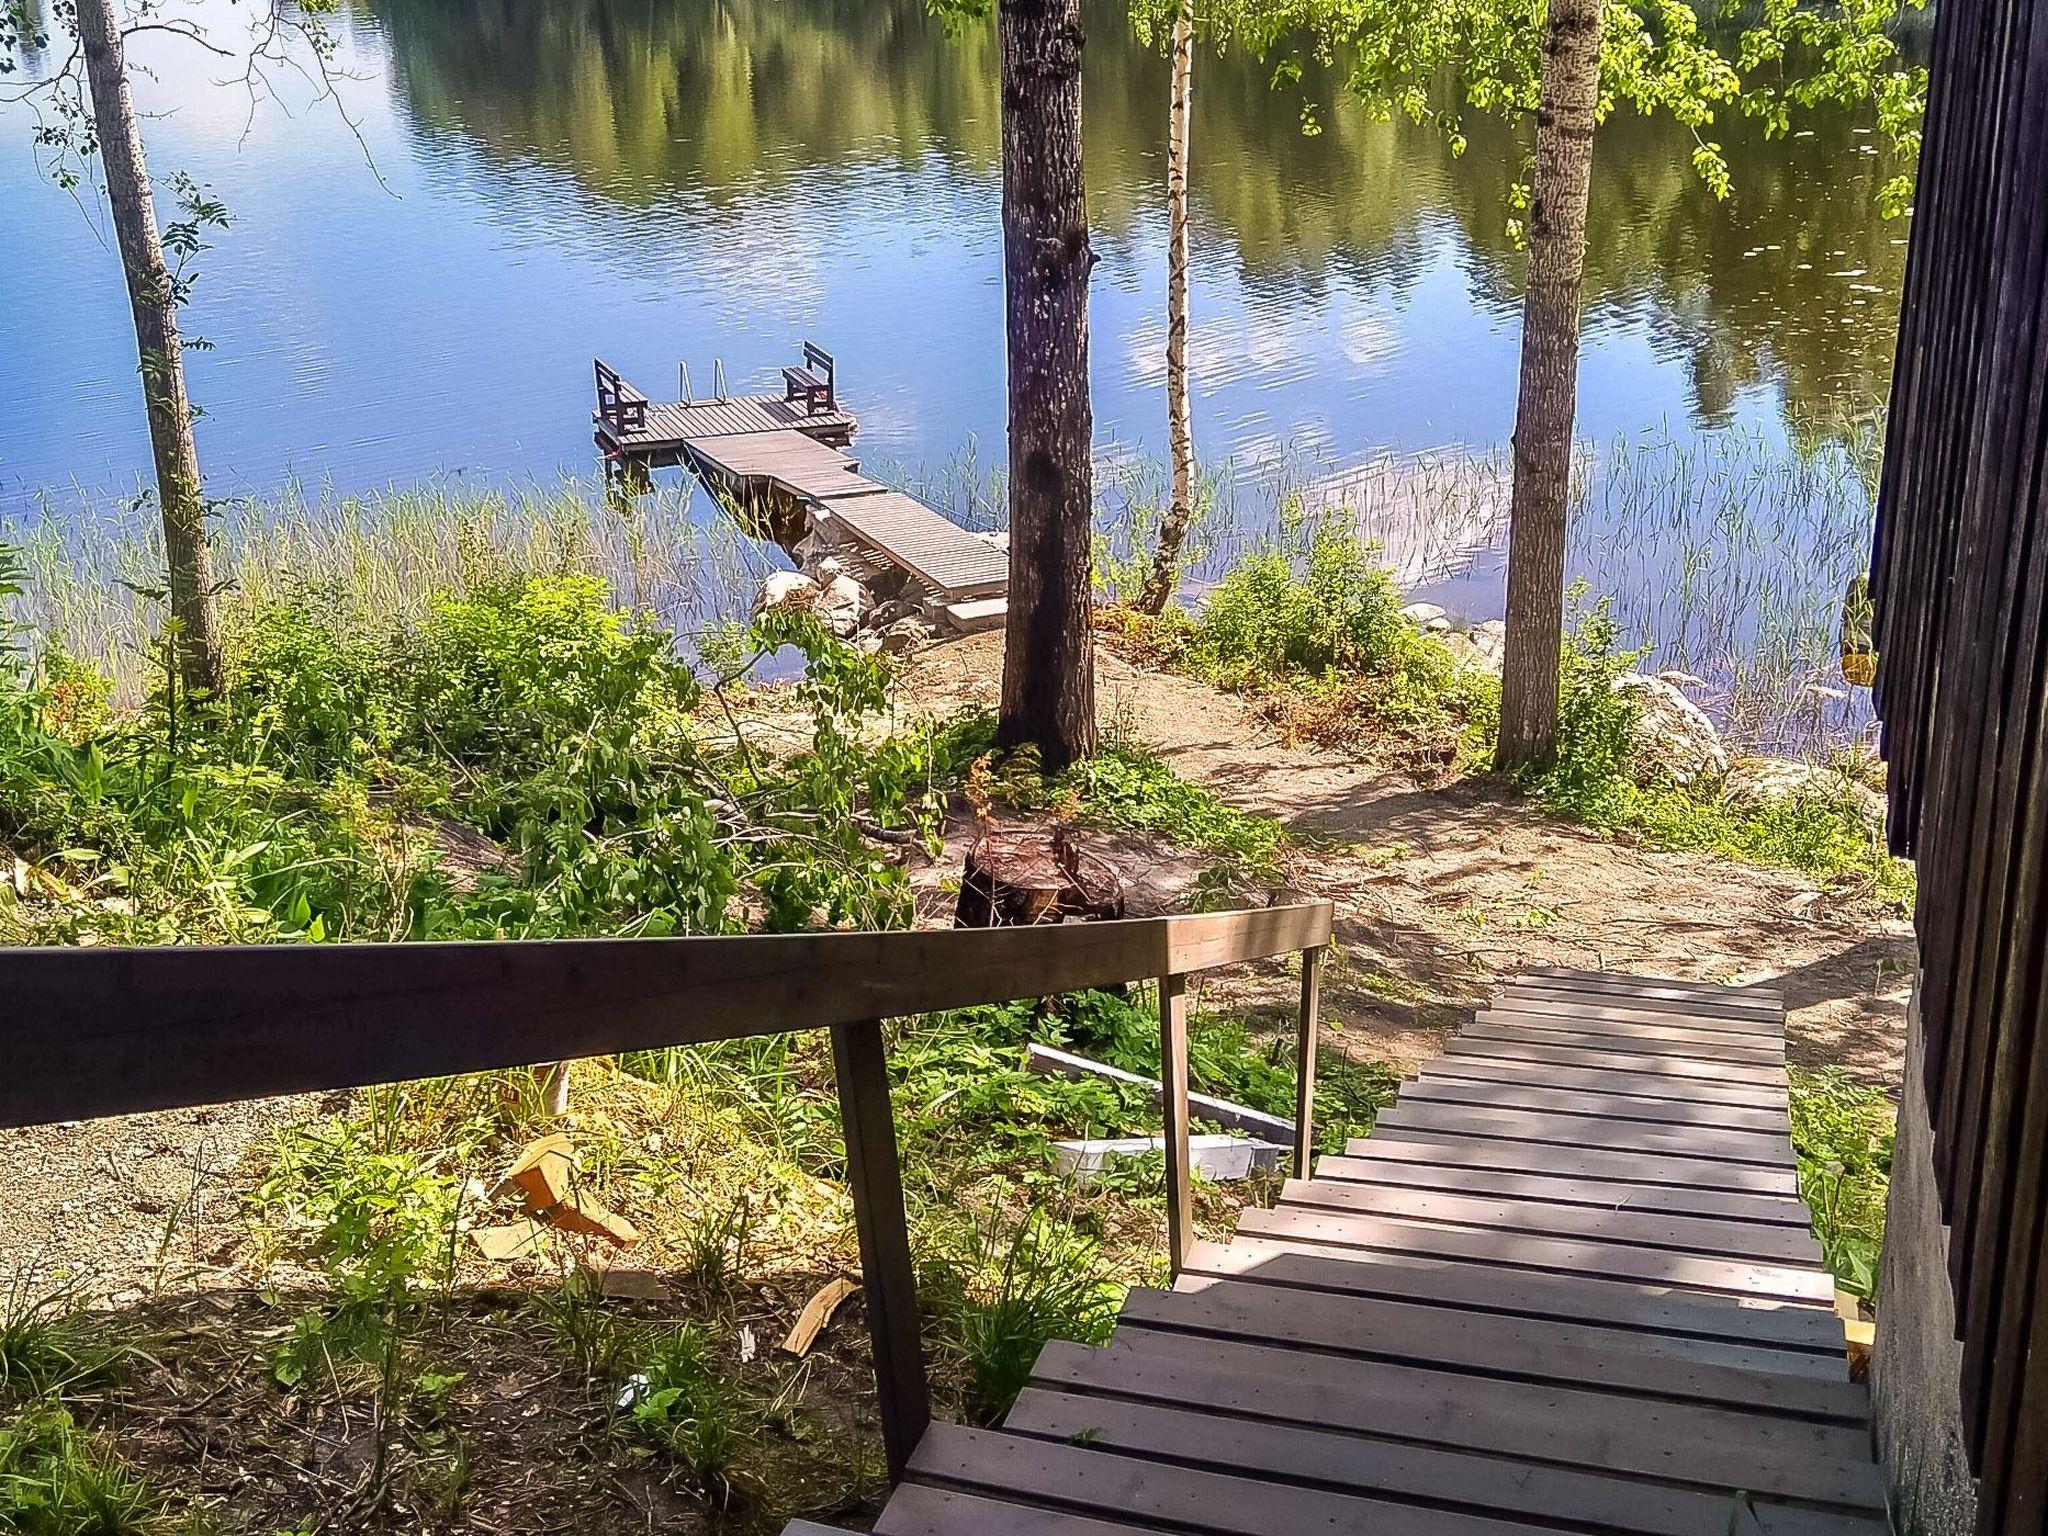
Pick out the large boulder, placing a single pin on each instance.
(1759, 780)
(786, 589)
(1674, 738)
(842, 604)
(1480, 646)
(1433, 618)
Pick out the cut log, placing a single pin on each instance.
(1031, 875)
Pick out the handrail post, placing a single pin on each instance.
(1307, 1023)
(902, 1394)
(1173, 1100)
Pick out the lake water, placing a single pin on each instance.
(418, 295)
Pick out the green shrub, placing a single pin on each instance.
(1342, 612)
(1824, 831)
(1596, 722)
(316, 799)
(377, 1215)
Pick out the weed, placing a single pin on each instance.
(593, 1336)
(1134, 789)
(48, 1342)
(58, 1480)
(1843, 1131)
(683, 1405)
(999, 1293)
(715, 1248)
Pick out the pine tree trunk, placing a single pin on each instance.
(1549, 384)
(1165, 577)
(150, 297)
(1048, 656)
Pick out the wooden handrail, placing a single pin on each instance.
(108, 1031)
(104, 1031)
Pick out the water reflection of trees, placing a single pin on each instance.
(1795, 279)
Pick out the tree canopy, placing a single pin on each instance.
(1433, 61)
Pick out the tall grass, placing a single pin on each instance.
(1727, 553)
(92, 566)
(1730, 555)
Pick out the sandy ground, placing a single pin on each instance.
(1441, 890)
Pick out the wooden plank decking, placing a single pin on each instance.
(670, 424)
(743, 444)
(1566, 1285)
(933, 548)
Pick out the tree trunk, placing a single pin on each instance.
(1165, 577)
(153, 301)
(1049, 650)
(1549, 384)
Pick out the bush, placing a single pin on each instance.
(1824, 831)
(1343, 612)
(1596, 722)
(317, 798)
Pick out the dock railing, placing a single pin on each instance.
(104, 1031)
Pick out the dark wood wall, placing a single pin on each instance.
(1960, 578)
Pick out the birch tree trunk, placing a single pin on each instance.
(1549, 388)
(1048, 693)
(1165, 576)
(152, 300)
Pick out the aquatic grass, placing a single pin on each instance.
(1728, 552)
(91, 566)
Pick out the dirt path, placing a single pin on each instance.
(1441, 890)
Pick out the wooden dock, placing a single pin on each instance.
(780, 461)
(1567, 1284)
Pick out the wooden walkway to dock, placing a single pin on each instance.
(1566, 1285)
(788, 452)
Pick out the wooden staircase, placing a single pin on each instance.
(1566, 1284)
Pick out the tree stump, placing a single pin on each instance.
(1029, 876)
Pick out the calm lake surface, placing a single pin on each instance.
(676, 181)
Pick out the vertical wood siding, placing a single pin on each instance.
(1960, 578)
